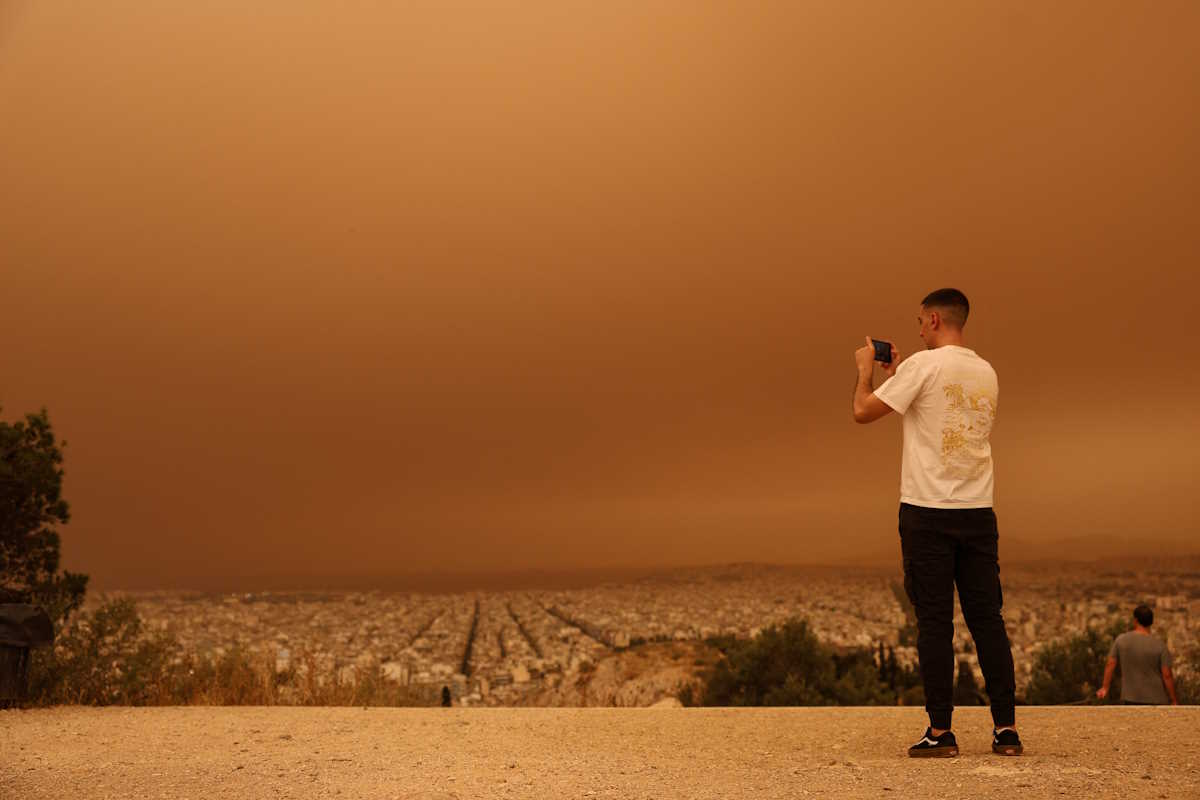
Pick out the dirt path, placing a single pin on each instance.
(256, 753)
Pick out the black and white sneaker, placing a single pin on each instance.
(930, 746)
(1006, 743)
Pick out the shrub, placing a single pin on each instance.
(104, 658)
(1070, 670)
(787, 666)
(1187, 674)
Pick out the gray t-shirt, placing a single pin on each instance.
(1141, 658)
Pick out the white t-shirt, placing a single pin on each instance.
(947, 397)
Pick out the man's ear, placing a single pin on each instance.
(935, 320)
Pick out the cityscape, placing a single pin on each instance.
(515, 647)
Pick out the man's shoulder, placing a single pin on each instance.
(1140, 640)
(1125, 642)
(957, 351)
(920, 358)
(965, 357)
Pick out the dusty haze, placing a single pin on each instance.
(357, 291)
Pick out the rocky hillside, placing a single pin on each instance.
(647, 675)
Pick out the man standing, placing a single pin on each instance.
(948, 535)
(1146, 677)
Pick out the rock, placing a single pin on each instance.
(667, 702)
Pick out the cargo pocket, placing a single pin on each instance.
(999, 589)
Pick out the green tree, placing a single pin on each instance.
(31, 505)
(787, 666)
(783, 666)
(1070, 670)
(859, 681)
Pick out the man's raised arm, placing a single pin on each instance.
(867, 406)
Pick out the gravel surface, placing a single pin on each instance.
(239, 752)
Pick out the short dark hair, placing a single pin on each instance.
(952, 302)
(1144, 616)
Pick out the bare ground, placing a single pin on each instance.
(239, 752)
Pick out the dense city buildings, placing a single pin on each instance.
(509, 647)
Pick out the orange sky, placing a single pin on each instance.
(357, 289)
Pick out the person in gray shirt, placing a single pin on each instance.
(1145, 663)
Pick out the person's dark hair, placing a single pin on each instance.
(1144, 616)
(952, 303)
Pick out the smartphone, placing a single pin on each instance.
(883, 351)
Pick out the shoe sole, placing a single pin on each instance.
(934, 752)
(1008, 750)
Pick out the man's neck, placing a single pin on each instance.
(1140, 629)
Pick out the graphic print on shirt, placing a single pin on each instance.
(966, 425)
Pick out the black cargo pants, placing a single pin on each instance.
(943, 548)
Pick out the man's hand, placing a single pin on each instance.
(889, 369)
(864, 357)
(868, 407)
(1110, 669)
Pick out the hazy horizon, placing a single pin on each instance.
(546, 286)
(500, 579)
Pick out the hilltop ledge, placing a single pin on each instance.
(257, 752)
